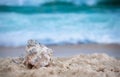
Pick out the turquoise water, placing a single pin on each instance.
(58, 6)
(16, 29)
(54, 25)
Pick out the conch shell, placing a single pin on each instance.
(37, 55)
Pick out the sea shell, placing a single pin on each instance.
(37, 55)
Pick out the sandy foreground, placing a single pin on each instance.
(68, 61)
(94, 65)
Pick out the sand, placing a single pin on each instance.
(94, 65)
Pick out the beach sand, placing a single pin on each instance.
(95, 65)
(69, 61)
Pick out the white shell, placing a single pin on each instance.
(37, 55)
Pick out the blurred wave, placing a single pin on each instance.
(59, 21)
(56, 6)
(40, 2)
(69, 28)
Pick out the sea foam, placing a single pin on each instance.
(61, 28)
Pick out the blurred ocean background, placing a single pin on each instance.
(59, 21)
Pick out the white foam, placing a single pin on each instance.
(16, 29)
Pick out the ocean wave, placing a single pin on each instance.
(61, 7)
(69, 28)
(21, 38)
(40, 2)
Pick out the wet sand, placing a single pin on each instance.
(67, 50)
